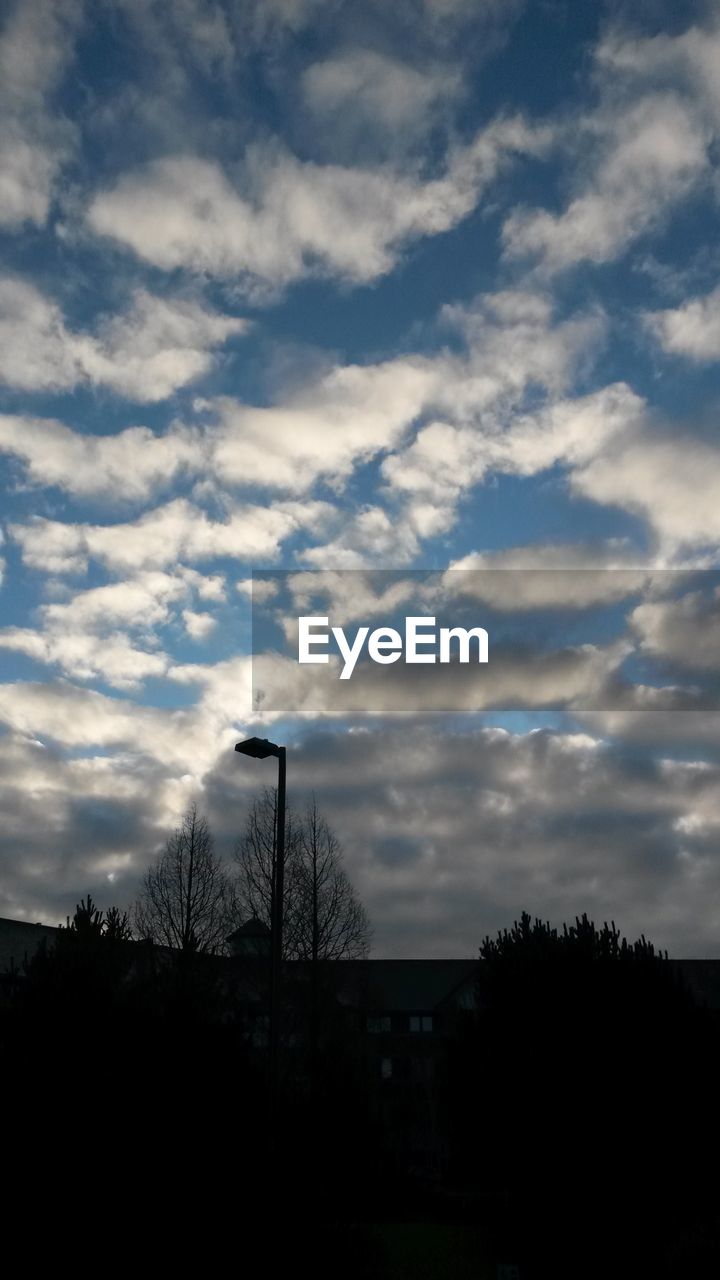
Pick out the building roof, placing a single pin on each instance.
(702, 977)
(253, 928)
(20, 939)
(401, 986)
(406, 986)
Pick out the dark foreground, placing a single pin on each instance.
(577, 1114)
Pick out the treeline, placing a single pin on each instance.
(584, 1095)
(137, 1063)
(191, 901)
(576, 1109)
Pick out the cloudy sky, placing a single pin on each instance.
(311, 285)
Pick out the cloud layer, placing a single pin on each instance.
(313, 286)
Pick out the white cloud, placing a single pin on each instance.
(674, 484)
(323, 430)
(514, 350)
(515, 342)
(570, 431)
(286, 219)
(198, 32)
(164, 746)
(77, 717)
(277, 687)
(461, 828)
(27, 172)
(688, 61)
(157, 346)
(651, 153)
(129, 465)
(350, 596)
(178, 531)
(226, 689)
(282, 687)
(576, 824)
(143, 601)
(258, 589)
(549, 575)
(691, 330)
(344, 417)
(198, 625)
(446, 460)
(35, 48)
(369, 537)
(378, 91)
(107, 632)
(653, 719)
(685, 631)
(351, 413)
(110, 657)
(208, 586)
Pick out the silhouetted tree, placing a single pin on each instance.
(255, 861)
(330, 921)
(184, 900)
(83, 970)
(534, 966)
(323, 916)
(106, 1011)
(88, 923)
(117, 925)
(584, 1071)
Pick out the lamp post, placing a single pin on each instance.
(260, 749)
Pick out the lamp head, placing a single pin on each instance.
(258, 748)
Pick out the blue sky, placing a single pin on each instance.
(309, 285)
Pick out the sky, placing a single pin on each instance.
(366, 309)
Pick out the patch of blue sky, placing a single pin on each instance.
(517, 720)
(517, 511)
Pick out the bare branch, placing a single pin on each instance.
(323, 917)
(184, 901)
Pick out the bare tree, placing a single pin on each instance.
(323, 917)
(331, 922)
(255, 857)
(184, 899)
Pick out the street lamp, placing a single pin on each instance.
(260, 749)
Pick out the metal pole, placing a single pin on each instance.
(277, 933)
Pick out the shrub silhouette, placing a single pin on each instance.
(583, 1096)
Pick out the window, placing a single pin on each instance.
(421, 1022)
(377, 1023)
(386, 1068)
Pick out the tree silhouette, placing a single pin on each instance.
(583, 970)
(88, 922)
(323, 916)
(184, 899)
(330, 921)
(82, 972)
(117, 925)
(255, 861)
(584, 1070)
